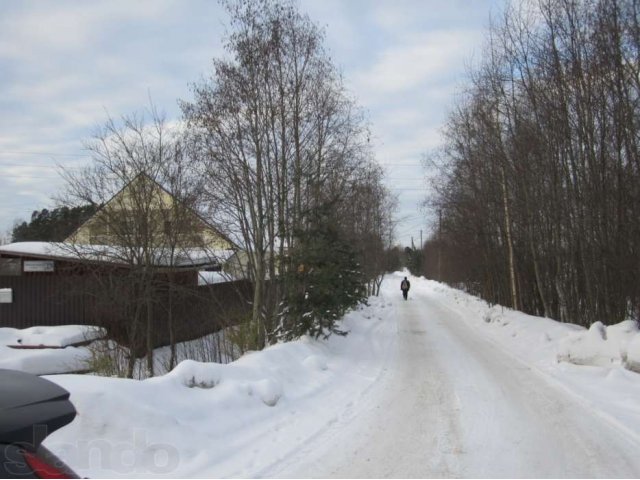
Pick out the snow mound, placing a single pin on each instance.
(269, 391)
(633, 354)
(599, 346)
(60, 336)
(194, 374)
(315, 362)
(47, 361)
(225, 420)
(62, 358)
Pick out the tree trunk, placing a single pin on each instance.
(507, 229)
(149, 337)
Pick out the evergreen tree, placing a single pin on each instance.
(393, 259)
(413, 260)
(326, 282)
(52, 226)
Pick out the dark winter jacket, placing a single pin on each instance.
(402, 285)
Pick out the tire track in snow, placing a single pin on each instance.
(452, 404)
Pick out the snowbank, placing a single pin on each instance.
(60, 336)
(633, 354)
(42, 361)
(546, 340)
(593, 365)
(241, 418)
(210, 419)
(599, 345)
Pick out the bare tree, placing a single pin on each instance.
(281, 141)
(542, 180)
(146, 225)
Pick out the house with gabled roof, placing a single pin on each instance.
(160, 219)
(46, 283)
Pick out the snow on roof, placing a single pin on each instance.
(212, 278)
(160, 256)
(51, 360)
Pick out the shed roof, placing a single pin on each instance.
(180, 258)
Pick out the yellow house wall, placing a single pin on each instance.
(161, 200)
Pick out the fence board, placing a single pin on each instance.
(51, 300)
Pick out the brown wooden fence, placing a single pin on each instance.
(199, 311)
(42, 300)
(50, 300)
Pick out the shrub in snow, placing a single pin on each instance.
(244, 338)
(194, 374)
(107, 359)
(193, 383)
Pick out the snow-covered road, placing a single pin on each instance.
(451, 403)
(442, 385)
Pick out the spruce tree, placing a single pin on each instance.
(325, 282)
(52, 225)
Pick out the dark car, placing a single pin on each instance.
(31, 408)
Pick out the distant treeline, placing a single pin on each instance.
(539, 191)
(52, 225)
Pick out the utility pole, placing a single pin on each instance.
(440, 246)
(420, 239)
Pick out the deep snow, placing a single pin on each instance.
(218, 420)
(62, 358)
(441, 385)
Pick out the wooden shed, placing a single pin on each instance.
(46, 284)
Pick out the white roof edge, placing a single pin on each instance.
(182, 257)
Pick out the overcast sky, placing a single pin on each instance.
(66, 65)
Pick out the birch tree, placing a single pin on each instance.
(280, 138)
(545, 195)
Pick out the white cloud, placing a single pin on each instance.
(64, 63)
(401, 15)
(69, 26)
(418, 61)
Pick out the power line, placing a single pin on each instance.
(411, 228)
(411, 218)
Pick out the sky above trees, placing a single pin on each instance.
(67, 65)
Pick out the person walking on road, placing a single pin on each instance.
(405, 285)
